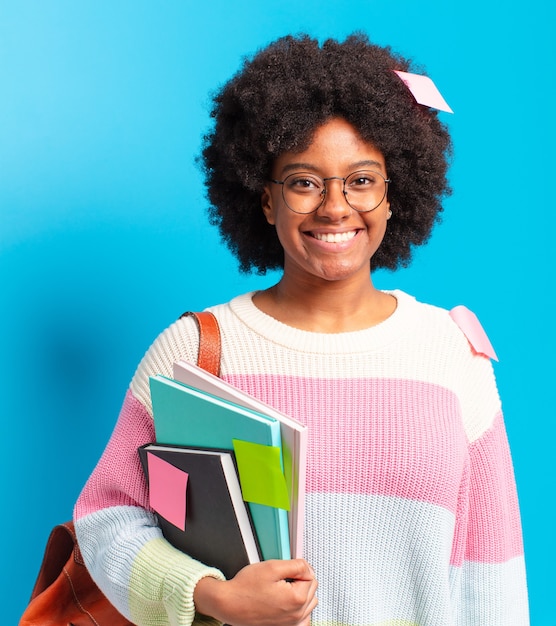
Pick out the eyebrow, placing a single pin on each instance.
(308, 167)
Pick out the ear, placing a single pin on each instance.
(267, 205)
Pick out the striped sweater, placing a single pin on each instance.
(412, 513)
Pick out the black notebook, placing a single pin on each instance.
(218, 528)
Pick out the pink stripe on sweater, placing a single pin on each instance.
(382, 437)
(118, 478)
(494, 526)
(402, 438)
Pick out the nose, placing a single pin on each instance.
(334, 205)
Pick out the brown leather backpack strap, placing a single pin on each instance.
(210, 342)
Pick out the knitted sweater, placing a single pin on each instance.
(411, 512)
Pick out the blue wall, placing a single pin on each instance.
(104, 239)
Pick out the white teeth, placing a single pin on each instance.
(335, 237)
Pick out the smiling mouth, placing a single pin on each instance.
(334, 237)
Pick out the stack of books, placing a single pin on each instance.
(227, 472)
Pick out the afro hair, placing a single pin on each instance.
(275, 103)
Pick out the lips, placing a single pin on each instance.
(334, 237)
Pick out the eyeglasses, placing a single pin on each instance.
(363, 190)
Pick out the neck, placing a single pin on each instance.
(337, 306)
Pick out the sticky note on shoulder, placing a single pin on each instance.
(471, 327)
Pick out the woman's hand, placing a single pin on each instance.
(271, 593)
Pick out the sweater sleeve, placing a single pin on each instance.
(146, 579)
(488, 565)
(493, 581)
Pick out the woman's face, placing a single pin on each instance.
(335, 242)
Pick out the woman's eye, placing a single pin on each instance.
(362, 180)
(303, 183)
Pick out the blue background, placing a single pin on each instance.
(104, 239)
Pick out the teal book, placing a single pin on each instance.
(294, 440)
(186, 416)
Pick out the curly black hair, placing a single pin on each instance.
(275, 103)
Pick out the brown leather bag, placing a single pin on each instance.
(64, 593)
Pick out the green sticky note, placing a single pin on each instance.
(260, 474)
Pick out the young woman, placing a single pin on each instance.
(320, 162)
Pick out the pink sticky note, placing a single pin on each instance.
(471, 327)
(424, 91)
(167, 490)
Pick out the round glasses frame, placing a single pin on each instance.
(320, 189)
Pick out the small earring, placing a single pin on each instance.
(389, 214)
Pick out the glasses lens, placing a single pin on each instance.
(303, 192)
(365, 190)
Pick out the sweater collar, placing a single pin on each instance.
(401, 322)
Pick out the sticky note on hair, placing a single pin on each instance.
(471, 327)
(424, 90)
(260, 474)
(167, 490)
